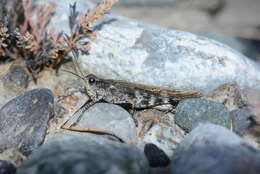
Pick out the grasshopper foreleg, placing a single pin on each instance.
(74, 119)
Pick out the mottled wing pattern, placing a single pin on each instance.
(143, 96)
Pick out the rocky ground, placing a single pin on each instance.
(216, 133)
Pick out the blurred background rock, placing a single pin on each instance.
(233, 22)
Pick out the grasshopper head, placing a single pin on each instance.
(92, 87)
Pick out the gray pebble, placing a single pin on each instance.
(7, 167)
(111, 118)
(23, 120)
(16, 79)
(212, 149)
(155, 156)
(191, 112)
(77, 153)
(242, 120)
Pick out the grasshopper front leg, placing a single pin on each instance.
(74, 119)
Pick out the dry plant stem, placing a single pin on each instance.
(27, 15)
(96, 13)
(91, 130)
(86, 19)
(25, 38)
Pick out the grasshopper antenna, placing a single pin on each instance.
(75, 74)
(76, 64)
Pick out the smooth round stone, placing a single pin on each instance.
(213, 149)
(155, 156)
(7, 167)
(191, 112)
(74, 152)
(24, 120)
(111, 118)
(129, 50)
(16, 79)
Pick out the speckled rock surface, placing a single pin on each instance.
(230, 95)
(164, 133)
(24, 120)
(212, 149)
(191, 112)
(253, 98)
(73, 152)
(129, 50)
(242, 120)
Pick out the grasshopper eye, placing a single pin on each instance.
(91, 81)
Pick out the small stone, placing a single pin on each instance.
(242, 120)
(246, 120)
(213, 149)
(78, 153)
(111, 118)
(155, 156)
(165, 134)
(24, 120)
(191, 112)
(16, 79)
(253, 99)
(7, 167)
(229, 95)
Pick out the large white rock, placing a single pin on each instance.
(129, 50)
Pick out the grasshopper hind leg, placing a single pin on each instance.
(75, 118)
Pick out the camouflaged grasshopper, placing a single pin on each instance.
(131, 95)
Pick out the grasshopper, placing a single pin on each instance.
(131, 95)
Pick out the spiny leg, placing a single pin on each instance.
(74, 119)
